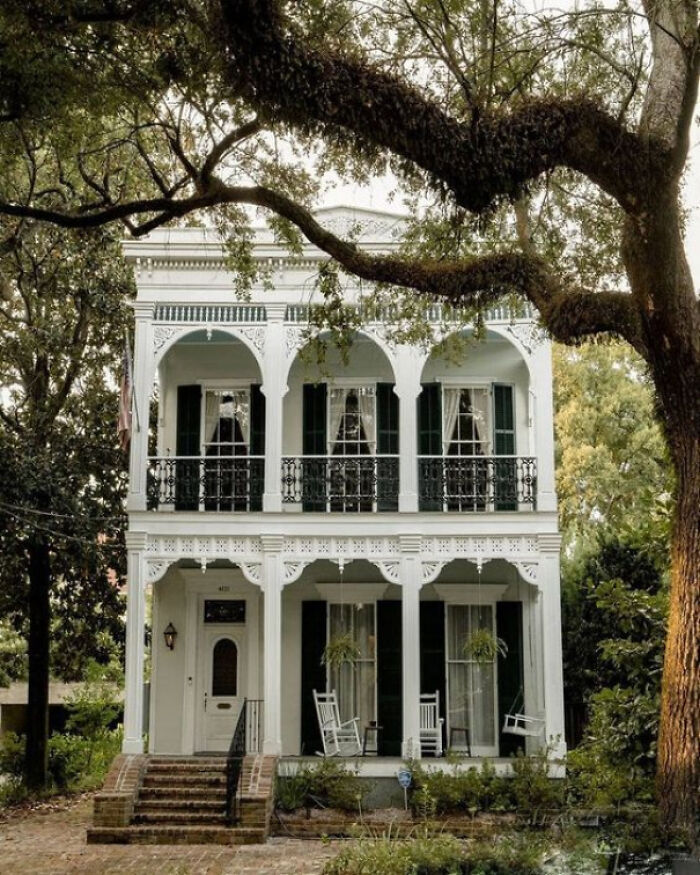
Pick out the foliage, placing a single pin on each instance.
(340, 649)
(510, 854)
(483, 646)
(13, 655)
(330, 784)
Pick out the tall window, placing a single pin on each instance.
(226, 441)
(466, 428)
(355, 683)
(471, 685)
(352, 432)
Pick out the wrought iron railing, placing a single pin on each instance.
(341, 483)
(254, 726)
(477, 483)
(247, 738)
(206, 482)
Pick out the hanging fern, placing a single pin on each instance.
(339, 650)
(483, 646)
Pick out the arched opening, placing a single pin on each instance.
(475, 429)
(340, 443)
(211, 426)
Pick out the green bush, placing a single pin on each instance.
(77, 763)
(531, 788)
(12, 755)
(461, 790)
(330, 784)
(426, 854)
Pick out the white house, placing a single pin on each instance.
(399, 497)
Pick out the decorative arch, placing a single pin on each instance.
(523, 337)
(251, 336)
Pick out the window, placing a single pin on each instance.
(471, 686)
(224, 669)
(352, 433)
(226, 446)
(355, 683)
(224, 611)
(466, 421)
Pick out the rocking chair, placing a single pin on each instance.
(339, 738)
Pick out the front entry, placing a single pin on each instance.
(223, 680)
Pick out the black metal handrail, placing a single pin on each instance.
(341, 483)
(206, 482)
(477, 483)
(234, 765)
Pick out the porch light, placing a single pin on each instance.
(170, 634)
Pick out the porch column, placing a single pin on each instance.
(272, 642)
(141, 398)
(135, 618)
(274, 390)
(548, 582)
(408, 388)
(411, 580)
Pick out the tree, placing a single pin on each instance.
(62, 475)
(548, 148)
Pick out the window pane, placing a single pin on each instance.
(224, 675)
(482, 702)
(457, 630)
(458, 706)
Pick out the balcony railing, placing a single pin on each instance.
(341, 483)
(206, 482)
(476, 483)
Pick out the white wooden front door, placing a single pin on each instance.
(224, 674)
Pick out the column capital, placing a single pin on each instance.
(143, 309)
(410, 543)
(135, 540)
(272, 543)
(550, 543)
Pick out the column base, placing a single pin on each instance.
(408, 502)
(272, 502)
(272, 748)
(132, 745)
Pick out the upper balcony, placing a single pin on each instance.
(381, 429)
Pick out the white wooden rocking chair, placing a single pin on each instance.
(339, 738)
(430, 724)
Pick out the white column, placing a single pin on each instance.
(135, 618)
(411, 581)
(553, 680)
(543, 414)
(142, 388)
(408, 388)
(274, 389)
(272, 642)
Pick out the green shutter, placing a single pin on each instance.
(505, 471)
(389, 697)
(257, 446)
(509, 627)
(314, 443)
(430, 444)
(313, 674)
(188, 443)
(432, 651)
(387, 444)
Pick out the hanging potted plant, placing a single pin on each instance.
(339, 650)
(482, 646)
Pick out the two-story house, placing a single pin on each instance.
(398, 497)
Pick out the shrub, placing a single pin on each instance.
(531, 788)
(469, 790)
(439, 855)
(77, 763)
(330, 784)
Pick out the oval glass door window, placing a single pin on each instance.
(224, 675)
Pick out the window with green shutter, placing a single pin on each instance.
(188, 443)
(505, 470)
(387, 445)
(430, 473)
(314, 443)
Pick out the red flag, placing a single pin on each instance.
(125, 393)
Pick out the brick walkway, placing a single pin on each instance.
(53, 843)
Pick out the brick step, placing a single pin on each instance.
(144, 806)
(175, 835)
(185, 768)
(184, 793)
(184, 818)
(184, 760)
(197, 780)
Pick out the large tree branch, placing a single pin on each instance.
(490, 156)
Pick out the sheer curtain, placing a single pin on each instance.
(241, 410)
(338, 401)
(367, 416)
(211, 416)
(480, 416)
(450, 409)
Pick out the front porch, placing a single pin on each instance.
(254, 626)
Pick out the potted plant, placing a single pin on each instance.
(339, 650)
(483, 646)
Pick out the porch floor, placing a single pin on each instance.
(387, 767)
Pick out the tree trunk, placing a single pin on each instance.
(36, 759)
(678, 776)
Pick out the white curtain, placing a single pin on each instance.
(241, 410)
(450, 409)
(480, 414)
(338, 401)
(211, 416)
(367, 417)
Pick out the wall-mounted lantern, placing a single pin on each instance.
(170, 634)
